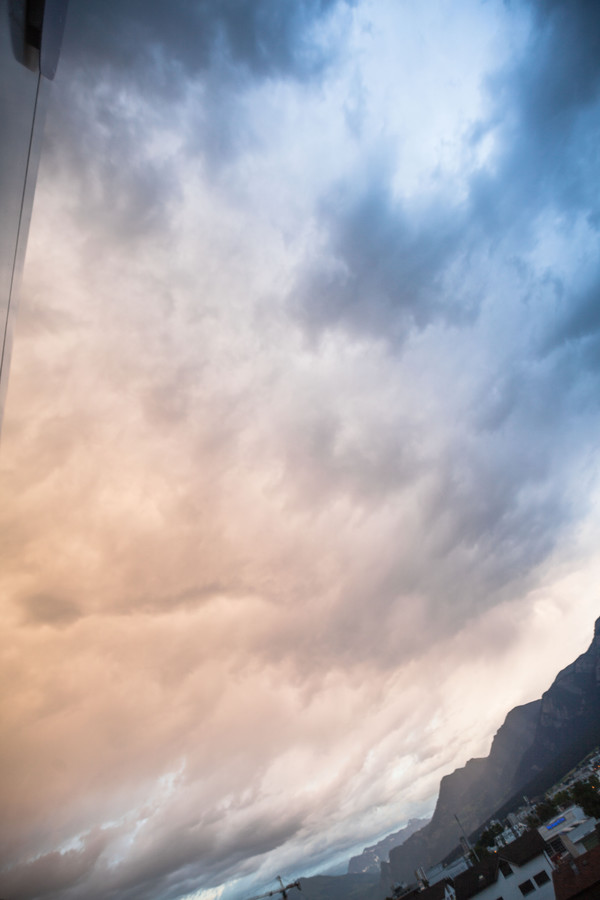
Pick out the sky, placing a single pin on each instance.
(299, 483)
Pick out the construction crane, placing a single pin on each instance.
(282, 889)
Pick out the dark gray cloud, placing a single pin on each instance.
(164, 862)
(576, 328)
(54, 875)
(502, 499)
(127, 68)
(565, 72)
(545, 111)
(385, 271)
(263, 37)
(46, 609)
(199, 854)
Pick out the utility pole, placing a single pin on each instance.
(467, 841)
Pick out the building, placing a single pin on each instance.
(30, 39)
(570, 833)
(447, 872)
(520, 869)
(578, 879)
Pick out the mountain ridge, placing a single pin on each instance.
(371, 857)
(534, 746)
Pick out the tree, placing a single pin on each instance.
(587, 795)
(563, 799)
(487, 839)
(543, 811)
(489, 834)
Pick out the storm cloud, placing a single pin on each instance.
(300, 454)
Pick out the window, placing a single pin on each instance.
(505, 868)
(526, 887)
(541, 878)
(556, 845)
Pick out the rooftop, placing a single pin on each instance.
(575, 878)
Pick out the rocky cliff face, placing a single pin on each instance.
(472, 792)
(569, 721)
(536, 744)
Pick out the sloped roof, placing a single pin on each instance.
(524, 848)
(468, 884)
(435, 892)
(574, 878)
(472, 881)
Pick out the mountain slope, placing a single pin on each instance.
(371, 857)
(536, 744)
(569, 722)
(340, 887)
